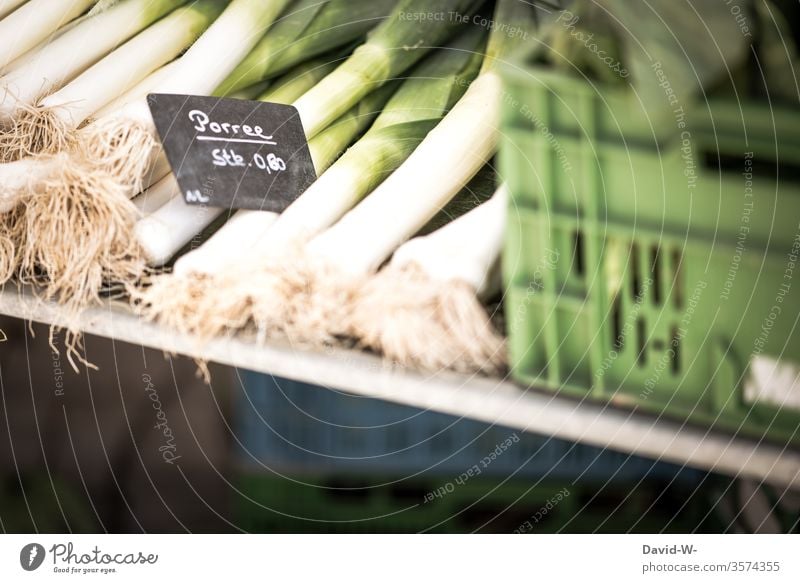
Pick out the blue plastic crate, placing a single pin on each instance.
(299, 427)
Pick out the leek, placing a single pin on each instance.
(139, 91)
(423, 311)
(8, 6)
(33, 22)
(157, 195)
(438, 169)
(312, 27)
(392, 48)
(98, 7)
(49, 126)
(72, 52)
(32, 55)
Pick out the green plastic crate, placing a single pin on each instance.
(637, 270)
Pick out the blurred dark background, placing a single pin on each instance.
(145, 445)
(81, 451)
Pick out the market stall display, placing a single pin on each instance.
(634, 177)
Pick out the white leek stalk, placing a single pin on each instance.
(72, 52)
(32, 55)
(19, 176)
(249, 93)
(50, 126)
(139, 91)
(122, 142)
(438, 169)
(8, 6)
(423, 311)
(162, 233)
(290, 86)
(132, 62)
(33, 22)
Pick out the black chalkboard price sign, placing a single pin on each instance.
(232, 153)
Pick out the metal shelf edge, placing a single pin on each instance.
(496, 401)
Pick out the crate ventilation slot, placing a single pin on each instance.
(653, 280)
(735, 164)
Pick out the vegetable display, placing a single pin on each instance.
(411, 113)
(400, 101)
(417, 106)
(86, 196)
(286, 287)
(78, 201)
